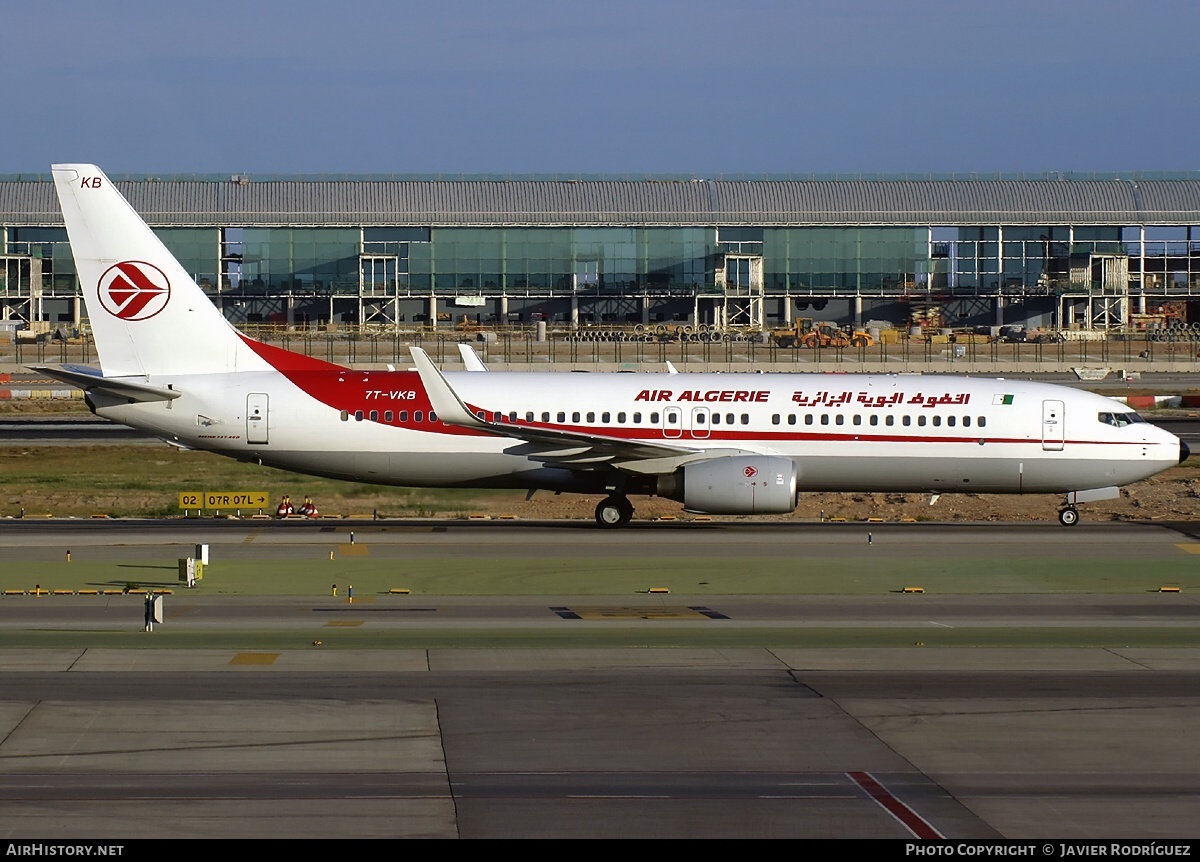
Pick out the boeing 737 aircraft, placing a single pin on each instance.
(724, 444)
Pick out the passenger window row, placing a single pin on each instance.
(874, 419)
(576, 417)
(418, 416)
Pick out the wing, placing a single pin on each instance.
(570, 449)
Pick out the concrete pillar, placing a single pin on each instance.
(574, 312)
(645, 310)
(35, 289)
(999, 310)
(76, 302)
(502, 302)
(289, 309)
(789, 306)
(858, 320)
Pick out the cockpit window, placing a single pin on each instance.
(1119, 420)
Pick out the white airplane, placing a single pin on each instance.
(725, 444)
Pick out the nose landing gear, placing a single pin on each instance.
(1068, 516)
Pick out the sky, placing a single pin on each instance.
(614, 87)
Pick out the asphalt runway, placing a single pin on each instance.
(701, 741)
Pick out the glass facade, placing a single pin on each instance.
(1165, 259)
(316, 261)
(872, 260)
(637, 273)
(48, 246)
(196, 249)
(546, 260)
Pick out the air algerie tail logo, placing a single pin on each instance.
(134, 290)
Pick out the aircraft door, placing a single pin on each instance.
(256, 418)
(1053, 431)
(672, 422)
(700, 420)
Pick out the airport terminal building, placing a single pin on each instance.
(1106, 252)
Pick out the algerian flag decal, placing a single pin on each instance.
(1002, 399)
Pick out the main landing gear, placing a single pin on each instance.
(614, 511)
(1068, 516)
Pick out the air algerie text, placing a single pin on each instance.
(758, 396)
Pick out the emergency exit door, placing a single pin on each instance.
(672, 422)
(256, 417)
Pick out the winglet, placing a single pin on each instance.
(470, 358)
(444, 400)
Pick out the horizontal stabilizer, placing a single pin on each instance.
(90, 380)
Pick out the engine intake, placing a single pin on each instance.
(735, 485)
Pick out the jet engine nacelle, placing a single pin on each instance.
(736, 485)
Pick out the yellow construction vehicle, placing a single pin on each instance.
(811, 334)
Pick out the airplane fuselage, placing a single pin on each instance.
(877, 432)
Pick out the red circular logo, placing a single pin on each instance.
(751, 472)
(133, 290)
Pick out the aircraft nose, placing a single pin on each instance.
(1184, 451)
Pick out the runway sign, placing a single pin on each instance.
(223, 500)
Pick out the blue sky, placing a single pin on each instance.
(608, 86)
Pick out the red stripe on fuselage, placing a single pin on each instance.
(285, 361)
(352, 391)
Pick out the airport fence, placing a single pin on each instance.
(1153, 351)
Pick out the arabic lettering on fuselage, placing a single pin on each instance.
(863, 399)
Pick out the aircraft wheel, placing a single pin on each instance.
(1069, 516)
(614, 512)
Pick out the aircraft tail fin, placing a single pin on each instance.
(148, 316)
